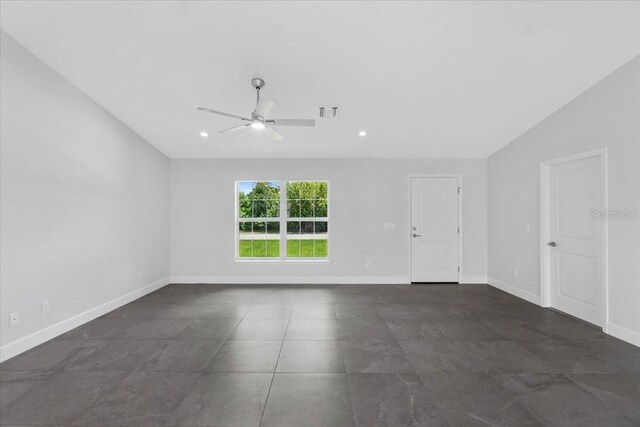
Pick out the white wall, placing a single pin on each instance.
(84, 205)
(607, 115)
(364, 194)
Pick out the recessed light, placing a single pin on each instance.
(204, 134)
(362, 133)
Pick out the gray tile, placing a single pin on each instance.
(307, 329)
(314, 311)
(142, 398)
(277, 296)
(473, 346)
(138, 310)
(475, 396)
(270, 311)
(308, 399)
(224, 399)
(442, 356)
(113, 355)
(356, 311)
(365, 330)
(317, 296)
(442, 416)
(246, 356)
(507, 328)
(565, 357)
(100, 328)
(353, 298)
(390, 400)
(403, 311)
(174, 297)
(620, 392)
(375, 356)
(14, 384)
(311, 356)
(44, 357)
(505, 356)
(204, 311)
(613, 355)
(556, 400)
(208, 329)
(567, 328)
(411, 329)
(469, 330)
(237, 295)
(155, 329)
(385, 296)
(518, 384)
(260, 329)
(183, 356)
(61, 398)
(421, 311)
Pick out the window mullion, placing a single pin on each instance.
(283, 220)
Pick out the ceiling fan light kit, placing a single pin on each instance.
(259, 117)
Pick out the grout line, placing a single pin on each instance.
(344, 366)
(275, 368)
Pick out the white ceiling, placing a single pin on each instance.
(431, 79)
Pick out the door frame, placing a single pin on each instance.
(545, 227)
(410, 197)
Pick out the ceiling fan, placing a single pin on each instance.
(259, 116)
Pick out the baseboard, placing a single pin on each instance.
(292, 280)
(21, 345)
(513, 290)
(473, 279)
(628, 335)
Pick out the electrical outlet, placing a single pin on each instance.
(515, 274)
(14, 318)
(45, 308)
(368, 265)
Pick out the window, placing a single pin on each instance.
(259, 219)
(307, 219)
(282, 220)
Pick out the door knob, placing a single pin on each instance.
(552, 244)
(417, 235)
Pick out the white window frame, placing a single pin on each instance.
(282, 220)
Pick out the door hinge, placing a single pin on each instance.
(458, 230)
(459, 188)
(458, 269)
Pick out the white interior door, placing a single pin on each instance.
(434, 230)
(575, 246)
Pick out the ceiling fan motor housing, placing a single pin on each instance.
(257, 83)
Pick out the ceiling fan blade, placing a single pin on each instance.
(274, 134)
(292, 122)
(209, 110)
(264, 107)
(233, 129)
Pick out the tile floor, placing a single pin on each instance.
(204, 355)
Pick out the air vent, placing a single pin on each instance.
(327, 112)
